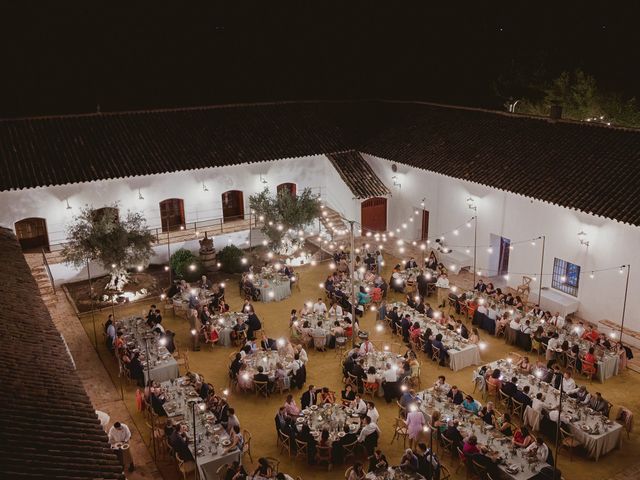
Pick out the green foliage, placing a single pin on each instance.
(284, 211)
(230, 258)
(100, 235)
(181, 261)
(582, 100)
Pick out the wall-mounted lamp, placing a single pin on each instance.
(395, 182)
(471, 203)
(263, 180)
(423, 202)
(581, 236)
(204, 187)
(68, 206)
(140, 197)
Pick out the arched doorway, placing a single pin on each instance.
(373, 214)
(32, 234)
(172, 214)
(290, 188)
(232, 205)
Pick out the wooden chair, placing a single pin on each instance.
(570, 361)
(350, 449)
(491, 391)
(274, 463)
(323, 455)
(504, 400)
(185, 468)
(284, 442)
(479, 469)
(445, 474)
(435, 354)
(588, 370)
(500, 328)
(221, 472)
(347, 473)
(246, 448)
(402, 411)
(261, 388)
(463, 461)
(341, 346)
(568, 441)
(371, 389)
(517, 408)
(241, 338)
(283, 385)
(302, 450)
(183, 361)
(400, 430)
(352, 380)
(448, 447)
(537, 346)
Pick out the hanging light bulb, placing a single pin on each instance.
(591, 275)
(456, 232)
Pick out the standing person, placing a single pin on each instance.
(120, 433)
(379, 261)
(110, 330)
(415, 424)
(443, 289)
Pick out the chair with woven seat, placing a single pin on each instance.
(435, 354)
(448, 446)
(371, 389)
(587, 369)
(504, 400)
(246, 447)
(323, 455)
(479, 469)
(463, 461)
(445, 474)
(284, 442)
(350, 450)
(183, 361)
(402, 411)
(274, 463)
(491, 391)
(261, 388)
(568, 441)
(302, 450)
(186, 468)
(221, 472)
(400, 430)
(347, 473)
(517, 409)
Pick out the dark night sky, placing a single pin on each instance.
(62, 57)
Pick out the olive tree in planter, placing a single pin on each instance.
(284, 213)
(116, 243)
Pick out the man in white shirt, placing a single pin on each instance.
(359, 406)
(515, 323)
(557, 320)
(372, 412)
(111, 335)
(120, 433)
(537, 404)
(526, 328)
(367, 347)
(482, 309)
(335, 312)
(319, 307)
(304, 358)
(540, 449)
(569, 384)
(441, 384)
(442, 283)
(553, 343)
(368, 429)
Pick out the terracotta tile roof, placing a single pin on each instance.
(48, 427)
(358, 175)
(590, 168)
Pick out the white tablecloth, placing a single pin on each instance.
(469, 355)
(597, 445)
(168, 370)
(555, 301)
(209, 463)
(275, 292)
(456, 258)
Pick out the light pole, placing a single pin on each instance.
(544, 239)
(624, 304)
(353, 278)
(169, 249)
(201, 406)
(555, 457)
(93, 317)
(153, 426)
(471, 203)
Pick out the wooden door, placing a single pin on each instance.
(503, 262)
(232, 205)
(32, 234)
(373, 214)
(425, 225)
(172, 214)
(287, 187)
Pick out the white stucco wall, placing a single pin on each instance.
(520, 218)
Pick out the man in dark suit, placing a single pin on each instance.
(261, 376)
(309, 397)
(522, 396)
(452, 433)
(395, 319)
(455, 395)
(437, 342)
(268, 344)
(428, 310)
(358, 371)
(406, 324)
(411, 263)
(179, 444)
(253, 324)
(423, 285)
(510, 388)
(480, 286)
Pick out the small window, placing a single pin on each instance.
(566, 277)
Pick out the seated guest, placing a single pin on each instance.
(590, 334)
(369, 435)
(409, 461)
(480, 286)
(441, 384)
(437, 342)
(488, 413)
(509, 388)
(260, 376)
(390, 383)
(290, 406)
(411, 263)
(378, 462)
(539, 450)
(178, 441)
(470, 405)
(522, 438)
(494, 378)
(455, 395)
(581, 395)
(359, 406)
(327, 396)
(453, 434)
(505, 425)
(568, 383)
(524, 365)
(598, 404)
(522, 396)
(408, 398)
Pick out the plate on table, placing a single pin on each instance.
(314, 407)
(300, 420)
(306, 411)
(341, 434)
(355, 415)
(226, 443)
(586, 428)
(512, 469)
(489, 427)
(353, 426)
(200, 451)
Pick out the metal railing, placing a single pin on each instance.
(46, 266)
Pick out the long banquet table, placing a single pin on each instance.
(211, 437)
(597, 434)
(163, 365)
(461, 353)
